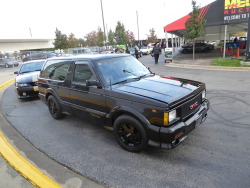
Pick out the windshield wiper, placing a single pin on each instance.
(146, 75)
(124, 70)
(24, 72)
(120, 82)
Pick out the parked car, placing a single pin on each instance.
(42, 55)
(146, 50)
(199, 47)
(132, 51)
(26, 80)
(8, 63)
(140, 107)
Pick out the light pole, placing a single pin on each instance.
(138, 27)
(103, 25)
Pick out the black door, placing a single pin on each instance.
(87, 99)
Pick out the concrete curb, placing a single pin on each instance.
(207, 67)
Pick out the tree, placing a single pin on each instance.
(111, 38)
(100, 37)
(81, 42)
(91, 38)
(73, 42)
(120, 34)
(194, 25)
(131, 37)
(152, 38)
(61, 41)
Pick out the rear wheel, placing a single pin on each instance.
(54, 108)
(130, 134)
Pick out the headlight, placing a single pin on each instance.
(21, 85)
(203, 94)
(169, 116)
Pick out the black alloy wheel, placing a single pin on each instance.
(54, 108)
(130, 134)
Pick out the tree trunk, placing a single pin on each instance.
(194, 50)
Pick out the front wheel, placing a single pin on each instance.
(54, 108)
(130, 134)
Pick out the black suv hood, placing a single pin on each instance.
(164, 89)
(28, 77)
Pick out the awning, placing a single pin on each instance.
(217, 14)
(179, 24)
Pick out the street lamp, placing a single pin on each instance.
(138, 27)
(103, 25)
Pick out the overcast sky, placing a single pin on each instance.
(83, 16)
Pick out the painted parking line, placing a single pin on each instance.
(20, 164)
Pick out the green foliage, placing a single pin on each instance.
(111, 38)
(72, 41)
(61, 41)
(131, 37)
(81, 42)
(100, 37)
(120, 34)
(91, 39)
(228, 63)
(195, 24)
(152, 38)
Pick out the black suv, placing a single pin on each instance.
(140, 107)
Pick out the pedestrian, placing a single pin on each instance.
(121, 49)
(156, 52)
(127, 49)
(137, 52)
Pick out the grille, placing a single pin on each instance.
(187, 110)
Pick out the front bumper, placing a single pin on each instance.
(170, 137)
(27, 92)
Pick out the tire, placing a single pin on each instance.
(54, 108)
(130, 134)
(6, 66)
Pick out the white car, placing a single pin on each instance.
(146, 50)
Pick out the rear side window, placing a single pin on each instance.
(56, 70)
(82, 73)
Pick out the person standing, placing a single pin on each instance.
(137, 52)
(156, 52)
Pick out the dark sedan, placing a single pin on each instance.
(26, 80)
(199, 47)
(8, 63)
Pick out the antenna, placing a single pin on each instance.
(110, 83)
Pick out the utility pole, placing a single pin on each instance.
(138, 27)
(103, 25)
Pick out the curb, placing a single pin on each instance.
(208, 67)
(19, 163)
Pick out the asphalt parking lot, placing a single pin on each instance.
(215, 154)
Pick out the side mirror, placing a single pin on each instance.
(93, 83)
(16, 72)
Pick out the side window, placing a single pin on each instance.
(56, 70)
(82, 73)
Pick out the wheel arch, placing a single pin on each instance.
(125, 110)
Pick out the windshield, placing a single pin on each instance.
(115, 70)
(31, 67)
(144, 47)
